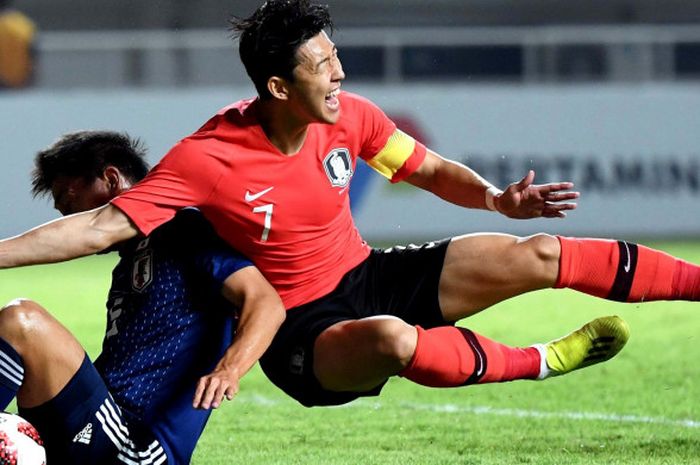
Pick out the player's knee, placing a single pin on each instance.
(543, 249)
(20, 319)
(396, 340)
(388, 339)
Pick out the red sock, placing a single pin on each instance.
(449, 356)
(625, 272)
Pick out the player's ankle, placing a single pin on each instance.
(545, 372)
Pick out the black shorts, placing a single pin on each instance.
(400, 281)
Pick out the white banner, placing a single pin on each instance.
(633, 151)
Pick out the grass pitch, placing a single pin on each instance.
(639, 408)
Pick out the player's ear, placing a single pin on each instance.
(114, 179)
(278, 87)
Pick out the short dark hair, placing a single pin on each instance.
(270, 37)
(86, 154)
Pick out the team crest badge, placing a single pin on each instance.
(142, 272)
(338, 166)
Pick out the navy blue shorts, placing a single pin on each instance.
(401, 281)
(83, 425)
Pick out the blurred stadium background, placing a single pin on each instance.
(604, 93)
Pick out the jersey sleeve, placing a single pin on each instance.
(212, 258)
(218, 262)
(388, 150)
(185, 177)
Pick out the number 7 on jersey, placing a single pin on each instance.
(267, 209)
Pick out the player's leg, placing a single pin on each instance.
(363, 352)
(358, 355)
(82, 425)
(483, 269)
(625, 272)
(38, 355)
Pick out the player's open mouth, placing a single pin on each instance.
(332, 101)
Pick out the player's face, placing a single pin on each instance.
(75, 194)
(317, 77)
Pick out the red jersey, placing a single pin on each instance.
(289, 214)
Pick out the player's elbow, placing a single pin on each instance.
(274, 312)
(277, 312)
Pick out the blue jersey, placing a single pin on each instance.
(167, 326)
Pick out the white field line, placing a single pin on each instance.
(521, 413)
(492, 411)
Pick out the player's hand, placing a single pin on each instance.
(212, 388)
(524, 200)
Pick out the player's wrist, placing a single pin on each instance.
(491, 196)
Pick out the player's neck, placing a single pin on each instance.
(283, 130)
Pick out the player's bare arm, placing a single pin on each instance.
(66, 238)
(459, 184)
(261, 315)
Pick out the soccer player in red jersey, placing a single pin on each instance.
(272, 175)
(187, 317)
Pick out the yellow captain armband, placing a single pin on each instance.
(391, 158)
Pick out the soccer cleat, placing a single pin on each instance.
(595, 342)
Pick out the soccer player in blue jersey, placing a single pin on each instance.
(187, 317)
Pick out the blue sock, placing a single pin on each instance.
(11, 373)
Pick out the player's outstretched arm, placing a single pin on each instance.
(463, 186)
(66, 238)
(523, 199)
(261, 315)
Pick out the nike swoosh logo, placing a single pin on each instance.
(629, 259)
(481, 367)
(250, 197)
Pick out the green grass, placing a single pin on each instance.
(627, 411)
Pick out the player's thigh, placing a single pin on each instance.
(483, 269)
(356, 355)
(50, 353)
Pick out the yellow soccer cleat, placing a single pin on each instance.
(595, 342)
